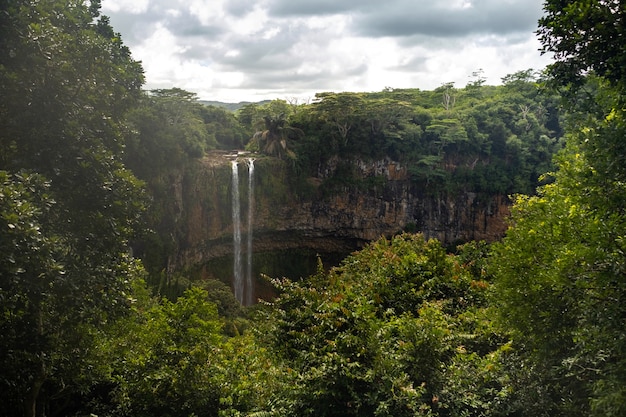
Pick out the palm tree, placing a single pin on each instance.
(276, 136)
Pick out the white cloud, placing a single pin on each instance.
(133, 7)
(233, 50)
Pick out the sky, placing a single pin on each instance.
(252, 50)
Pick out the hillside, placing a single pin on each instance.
(231, 106)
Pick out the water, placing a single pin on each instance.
(249, 290)
(238, 281)
(243, 285)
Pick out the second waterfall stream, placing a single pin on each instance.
(243, 284)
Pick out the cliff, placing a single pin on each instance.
(320, 213)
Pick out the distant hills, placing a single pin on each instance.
(231, 106)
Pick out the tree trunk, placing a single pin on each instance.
(33, 396)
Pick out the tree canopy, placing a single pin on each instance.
(69, 206)
(584, 35)
(532, 325)
(397, 330)
(560, 270)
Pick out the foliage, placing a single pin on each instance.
(389, 332)
(164, 358)
(68, 204)
(251, 377)
(33, 323)
(400, 328)
(173, 358)
(170, 128)
(584, 35)
(273, 140)
(169, 132)
(492, 140)
(224, 128)
(485, 139)
(560, 271)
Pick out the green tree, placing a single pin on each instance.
(248, 115)
(224, 128)
(66, 80)
(561, 267)
(275, 137)
(393, 331)
(183, 113)
(559, 289)
(584, 35)
(341, 110)
(165, 357)
(168, 129)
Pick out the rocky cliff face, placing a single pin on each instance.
(311, 214)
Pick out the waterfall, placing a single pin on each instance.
(249, 280)
(243, 285)
(238, 283)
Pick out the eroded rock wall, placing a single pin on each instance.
(310, 214)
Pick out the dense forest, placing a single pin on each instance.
(483, 138)
(531, 325)
(491, 140)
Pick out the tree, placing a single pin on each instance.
(224, 128)
(66, 80)
(520, 80)
(30, 266)
(585, 35)
(342, 110)
(248, 115)
(385, 115)
(559, 287)
(168, 129)
(274, 139)
(165, 357)
(391, 332)
(560, 271)
(477, 81)
(449, 99)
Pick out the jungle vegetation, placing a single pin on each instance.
(531, 325)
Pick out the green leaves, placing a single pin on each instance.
(275, 137)
(66, 81)
(46, 341)
(376, 335)
(560, 272)
(584, 35)
(166, 357)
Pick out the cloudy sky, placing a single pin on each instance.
(250, 50)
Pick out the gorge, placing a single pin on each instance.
(308, 217)
(320, 180)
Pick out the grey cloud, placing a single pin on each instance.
(413, 64)
(279, 79)
(136, 27)
(255, 52)
(294, 79)
(239, 8)
(190, 26)
(401, 18)
(297, 58)
(133, 30)
(292, 8)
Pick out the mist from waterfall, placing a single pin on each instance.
(238, 282)
(249, 281)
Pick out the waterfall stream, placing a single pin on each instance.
(243, 284)
(249, 293)
(238, 282)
